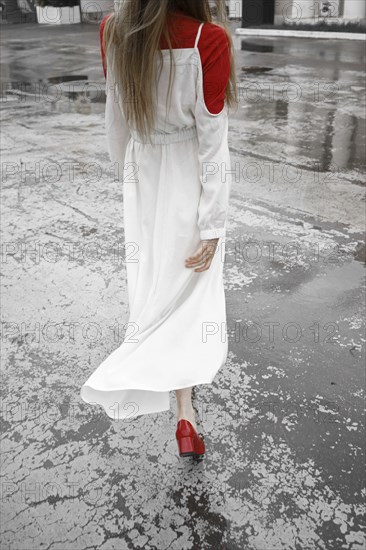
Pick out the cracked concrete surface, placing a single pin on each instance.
(283, 421)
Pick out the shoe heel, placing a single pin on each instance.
(186, 446)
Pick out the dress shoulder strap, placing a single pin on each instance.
(198, 35)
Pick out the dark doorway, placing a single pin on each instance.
(257, 12)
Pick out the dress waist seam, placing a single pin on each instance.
(160, 138)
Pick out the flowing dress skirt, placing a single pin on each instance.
(176, 333)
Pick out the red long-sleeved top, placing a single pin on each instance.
(214, 49)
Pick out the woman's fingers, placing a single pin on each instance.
(203, 256)
(205, 266)
(198, 257)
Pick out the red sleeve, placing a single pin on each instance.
(101, 30)
(214, 48)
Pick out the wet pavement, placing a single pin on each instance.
(283, 420)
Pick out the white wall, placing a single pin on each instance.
(309, 11)
(283, 12)
(93, 10)
(235, 8)
(354, 10)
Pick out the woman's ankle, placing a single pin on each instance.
(187, 413)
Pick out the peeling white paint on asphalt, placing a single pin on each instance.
(283, 420)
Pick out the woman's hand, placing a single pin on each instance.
(203, 255)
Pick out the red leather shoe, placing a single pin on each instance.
(189, 442)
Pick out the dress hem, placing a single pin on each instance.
(161, 408)
(146, 389)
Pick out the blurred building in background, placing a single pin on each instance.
(25, 11)
(257, 12)
(250, 12)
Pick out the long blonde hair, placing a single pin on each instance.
(131, 40)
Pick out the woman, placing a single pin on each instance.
(170, 79)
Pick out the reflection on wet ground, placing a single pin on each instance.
(316, 105)
(255, 47)
(326, 107)
(256, 70)
(283, 419)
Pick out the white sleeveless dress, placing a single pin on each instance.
(175, 193)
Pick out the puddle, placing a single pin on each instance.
(256, 47)
(331, 287)
(84, 90)
(256, 70)
(78, 87)
(71, 88)
(19, 45)
(66, 78)
(360, 254)
(329, 50)
(325, 137)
